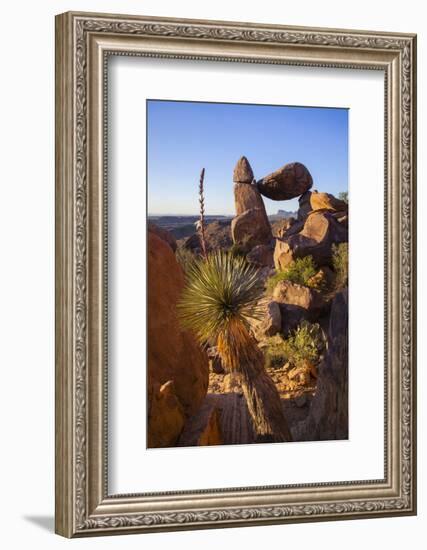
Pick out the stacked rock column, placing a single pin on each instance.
(250, 227)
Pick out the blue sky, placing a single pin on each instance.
(184, 137)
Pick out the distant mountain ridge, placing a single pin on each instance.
(286, 214)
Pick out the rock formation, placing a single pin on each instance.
(261, 255)
(328, 414)
(297, 303)
(288, 182)
(294, 294)
(163, 234)
(178, 371)
(316, 236)
(320, 201)
(281, 227)
(271, 322)
(203, 428)
(166, 414)
(250, 227)
(304, 205)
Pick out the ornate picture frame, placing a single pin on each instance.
(84, 42)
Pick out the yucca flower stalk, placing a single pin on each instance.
(220, 299)
(201, 224)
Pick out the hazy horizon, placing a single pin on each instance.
(184, 137)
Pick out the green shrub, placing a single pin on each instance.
(274, 352)
(340, 263)
(238, 250)
(241, 248)
(305, 344)
(300, 271)
(343, 196)
(186, 258)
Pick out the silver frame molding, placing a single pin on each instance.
(83, 43)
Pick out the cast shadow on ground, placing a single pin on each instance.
(45, 522)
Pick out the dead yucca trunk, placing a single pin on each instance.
(240, 354)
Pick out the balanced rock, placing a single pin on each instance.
(173, 353)
(320, 231)
(164, 234)
(251, 228)
(320, 201)
(288, 182)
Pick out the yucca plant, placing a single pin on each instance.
(217, 304)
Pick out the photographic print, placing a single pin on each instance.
(247, 273)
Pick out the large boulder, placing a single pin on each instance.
(166, 414)
(320, 231)
(292, 316)
(286, 292)
(288, 182)
(297, 303)
(164, 234)
(270, 323)
(250, 228)
(323, 279)
(281, 228)
(326, 201)
(173, 353)
(283, 254)
(342, 218)
(328, 413)
(261, 255)
(212, 433)
(203, 428)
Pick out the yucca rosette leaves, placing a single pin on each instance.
(218, 303)
(221, 292)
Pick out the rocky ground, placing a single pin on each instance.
(225, 394)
